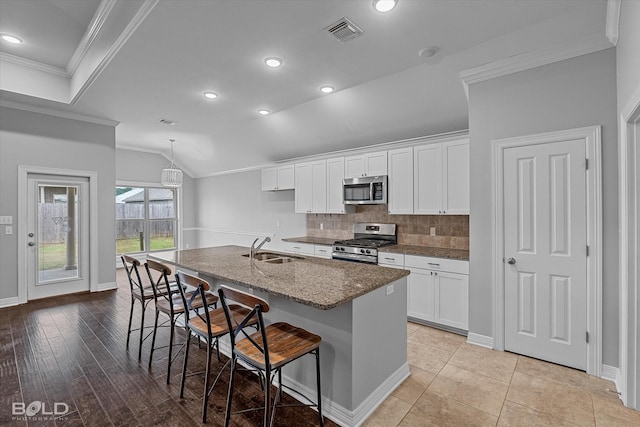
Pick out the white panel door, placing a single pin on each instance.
(456, 184)
(427, 179)
(319, 186)
(401, 181)
(376, 163)
(452, 299)
(420, 294)
(545, 252)
(304, 187)
(335, 175)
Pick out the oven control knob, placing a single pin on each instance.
(361, 251)
(368, 251)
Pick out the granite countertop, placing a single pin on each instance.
(313, 240)
(459, 254)
(317, 282)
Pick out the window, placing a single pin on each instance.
(145, 219)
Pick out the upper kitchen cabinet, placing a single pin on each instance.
(311, 187)
(400, 181)
(278, 178)
(369, 164)
(335, 175)
(441, 178)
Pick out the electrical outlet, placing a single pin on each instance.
(8, 229)
(278, 224)
(321, 226)
(432, 231)
(389, 289)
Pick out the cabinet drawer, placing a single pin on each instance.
(323, 251)
(390, 258)
(299, 248)
(438, 264)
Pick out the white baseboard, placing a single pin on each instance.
(480, 340)
(8, 302)
(613, 374)
(107, 286)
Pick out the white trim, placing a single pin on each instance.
(23, 172)
(533, 59)
(57, 113)
(480, 340)
(236, 232)
(159, 152)
(109, 286)
(135, 22)
(613, 20)
(628, 195)
(8, 302)
(591, 136)
(34, 65)
(98, 20)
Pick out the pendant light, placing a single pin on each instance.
(171, 176)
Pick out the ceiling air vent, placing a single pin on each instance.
(344, 30)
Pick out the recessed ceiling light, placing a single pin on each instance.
(273, 62)
(428, 52)
(210, 95)
(384, 5)
(327, 89)
(10, 38)
(264, 112)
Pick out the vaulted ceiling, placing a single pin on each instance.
(139, 61)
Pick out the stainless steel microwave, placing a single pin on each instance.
(366, 190)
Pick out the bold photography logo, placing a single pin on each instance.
(39, 409)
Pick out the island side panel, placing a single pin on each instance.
(379, 343)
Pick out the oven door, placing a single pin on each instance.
(369, 259)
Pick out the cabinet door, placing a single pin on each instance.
(427, 179)
(269, 179)
(375, 163)
(456, 178)
(304, 187)
(323, 251)
(286, 178)
(401, 181)
(452, 299)
(319, 186)
(354, 166)
(335, 175)
(420, 295)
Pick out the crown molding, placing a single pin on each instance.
(135, 22)
(613, 19)
(534, 59)
(58, 113)
(28, 63)
(98, 20)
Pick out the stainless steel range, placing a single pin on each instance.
(367, 238)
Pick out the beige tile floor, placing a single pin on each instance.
(453, 383)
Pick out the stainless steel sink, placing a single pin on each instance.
(273, 258)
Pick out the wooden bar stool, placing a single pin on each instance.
(210, 326)
(168, 300)
(268, 350)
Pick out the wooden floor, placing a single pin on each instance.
(72, 350)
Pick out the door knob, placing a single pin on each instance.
(31, 244)
(511, 261)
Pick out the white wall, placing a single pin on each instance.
(232, 209)
(35, 139)
(569, 94)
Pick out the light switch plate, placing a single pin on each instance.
(6, 220)
(432, 231)
(8, 229)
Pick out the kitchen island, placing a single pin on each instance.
(359, 310)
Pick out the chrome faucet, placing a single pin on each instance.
(255, 250)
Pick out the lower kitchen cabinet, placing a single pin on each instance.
(438, 291)
(299, 248)
(323, 251)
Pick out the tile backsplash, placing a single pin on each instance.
(452, 231)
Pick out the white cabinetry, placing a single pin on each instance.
(368, 164)
(278, 178)
(299, 248)
(390, 259)
(438, 290)
(335, 175)
(322, 251)
(441, 178)
(311, 187)
(400, 163)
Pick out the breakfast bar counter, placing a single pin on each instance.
(359, 310)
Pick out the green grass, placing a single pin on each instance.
(54, 255)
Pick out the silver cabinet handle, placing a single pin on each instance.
(511, 261)
(435, 264)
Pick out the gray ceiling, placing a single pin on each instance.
(384, 90)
